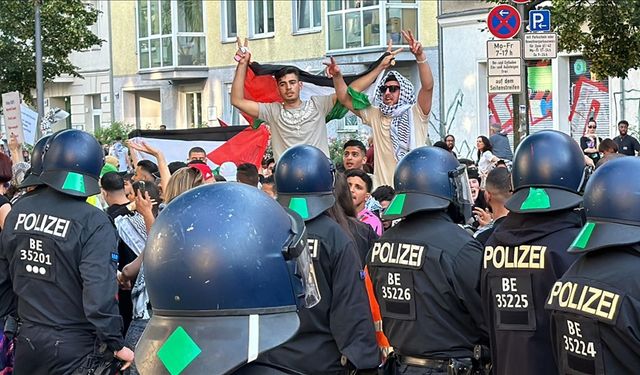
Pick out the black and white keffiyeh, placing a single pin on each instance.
(401, 123)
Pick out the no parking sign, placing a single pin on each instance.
(504, 21)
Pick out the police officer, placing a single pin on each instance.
(526, 254)
(595, 304)
(32, 179)
(61, 257)
(225, 277)
(426, 269)
(337, 335)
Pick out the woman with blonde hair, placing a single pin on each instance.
(182, 180)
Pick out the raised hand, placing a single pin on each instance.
(414, 46)
(143, 147)
(332, 67)
(243, 55)
(390, 59)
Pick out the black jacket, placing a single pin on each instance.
(524, 256)
(595, 316)
(426, 276)
(341, 324)
(62, 255)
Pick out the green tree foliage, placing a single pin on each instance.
(117, 131)
(65, 29)
(607, 32)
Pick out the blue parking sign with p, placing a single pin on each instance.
(539, 20)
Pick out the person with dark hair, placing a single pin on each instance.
(354, 155)
(146, 170)
(441, 144)
(609, 150)
(398, 116)
(627, 144)
(360, 185)
(450, 140)
(267, 167)
(112, 185)
(293, 121)
(175, 165)
(486, 159)
(497, 191)
(590, 141)
(247, 173)
(197, 153)
(269, 186)
(384, 195)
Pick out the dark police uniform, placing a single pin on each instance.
(62, 261)
(594, 320)
(522, 259)
(425, 272)
(595, 306)
(341, 324)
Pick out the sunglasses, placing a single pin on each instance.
(591, 127)
(391, 89)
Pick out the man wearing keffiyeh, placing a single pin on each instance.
(398, 117)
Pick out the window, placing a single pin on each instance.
(193, 106)
(170, 33)
(307, 15)
(229, 25)
(354, 24)
(261, 18)
(231, 115)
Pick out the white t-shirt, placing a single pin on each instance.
(303, 125)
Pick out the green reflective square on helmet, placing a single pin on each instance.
(583, 237)
(536, 200)
(178, 351)
(75, 182)
(299, 206)
(397, 205)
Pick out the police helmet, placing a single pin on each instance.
(33, 178)
(226, 268)
(72, 162)
(304, 178)
(611, 199)
(430, 179)
(548, 172)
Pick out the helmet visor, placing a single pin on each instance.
(298, 250)
(460, 182)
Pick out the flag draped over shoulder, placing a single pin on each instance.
(260, 86)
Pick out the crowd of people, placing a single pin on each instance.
(404, 259)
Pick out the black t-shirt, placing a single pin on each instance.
(587, 142)
(125, 254)
(627, 145)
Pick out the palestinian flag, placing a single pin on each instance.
(260, 86)
(238, 144)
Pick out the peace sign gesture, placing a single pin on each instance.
(243, 55)
(390, 59)
(332, 67)
(414, 46)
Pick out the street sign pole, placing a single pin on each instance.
(521, 100)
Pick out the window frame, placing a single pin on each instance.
(175, 34)
(309, 30)
(225, 38)
(382, 6)
(265, 16)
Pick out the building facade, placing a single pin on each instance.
(173, 60)
(563, 93)
(87, 99)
